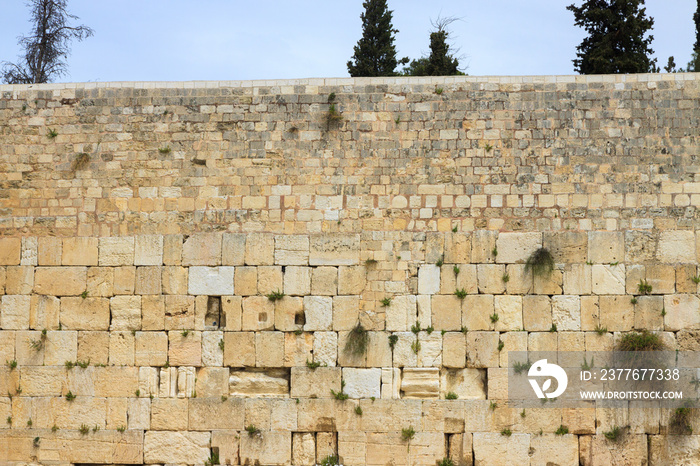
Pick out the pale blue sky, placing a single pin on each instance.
(177, 40)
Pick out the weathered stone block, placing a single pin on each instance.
(608, 279)
(121, 348)
(79, 251)
(93, 347)
(215, 414)
(19, 279)
(49, 250)
(291, 249)
(605, 247)
(85, 314)
(324, 281)
(233, 249)
(148, 250)
(577, 279)
(269, 349)
(100, 281)
(483, 245)
(10, 251)
(315, 383)
(616, 313)
(319, 313)
(258, 313)
(303, 448)
(260, 249)
(482, 349)
(476, 312)
(148, 280)
(326, 348)
(176, 447)
(517, 247)
(116, 250)
(298, 349)
(510, 312)
(569, 247)
(124, 280)
(566, 312)
(61, 346)
(401, 313)
(490, 278)
(351, 280)
(420, 382)
(246, 281)
(273, 448)
(458, 248)
(454, 347)
(239, 349)
(334, 249)
(362, 383)
(60, 281)
(126, 313)
(270, 279)
(185, 348)
(14, 312)
(172, 249)
(467, 384)
(682, 312)
(211, 281)
(258, 383)
(428, 279)
(465, 279)
(446, 312)
(492, 448)
(151, 349)
(676, 246)
(202, 249)
(44, 312)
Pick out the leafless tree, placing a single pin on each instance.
(46, 49)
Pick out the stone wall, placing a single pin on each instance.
(183, 266)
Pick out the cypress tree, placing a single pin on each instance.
(616, 41)
(440, 62)
(375, 54)
(694, 64)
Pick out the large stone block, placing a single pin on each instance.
(577, 279)
(477, 311)
(482, 349)
(446, 312)
(61, 346)
(260, 249)
(510, 312)
(10, 251)
(631, 449)
(176, 447)
(454, 350)
(124, 280)
(420, 382)
(493, 449)
(428, 279)
(324, 281)
(269, 349)
(148, 250)
(297, 281)
(121, 348)
(151, 349)
(79, 251)
(258, 313)
(362, 383)
(215, 414)
(239, 349)
(19, 279)
(291, 249)
(682, 312)
(179, 312)
(569, 247)
(126, 312)
(49, 250)
(608, 279)
(315, 383)
(616, 313)
(258, 383)
(14, 312)
(464, 279)
(319, 313)
(334, 249)
(517, 247)
(554, 449)
(185, 348)
(270, 279)
(467, 384)
(60, 281)
(100, 281)
(566, 312)
(211, 281)
(233, 249)
(401, 313)
(148, 280)
(351, 280)
(44, 312)
(326, 348)
(605, 247)
(202, 249)
(676, 246)
(270, 448)
(85, 314)
(117, 250)
(490, 278)
(458, 248)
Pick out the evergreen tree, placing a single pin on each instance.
(694, 63)
(375, 54)
(47, 47)
(616, 41)
(441, 61)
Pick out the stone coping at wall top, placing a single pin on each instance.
(608, 78)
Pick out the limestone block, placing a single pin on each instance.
(517, 247)
(346, 312)
(465, 279)
(676, 246)
(555, 449)
(116, 250)
(605, 247)
(631, 449)
(83, 410)
(270, 349)
(482, 349)
(362, 383)
(148, 280)
(537, 313)
(124, 280)
(19, 279)
(458, 248)
(232, 307)
(30, 251)
(326, 348)
(121, 348)
(542, 341)
(172, 250)
(174, 280)
(548, 284)
(260, 249)
(185, 382)
(270, 279)
(519, 281)
(324, 281)
(640, 246)
(385, 448)
(378, 350)
(391, 383)
(490, 278)
(100, 281)
(672, 450)
(617, 313)
(430, 352)
(460, 449)
(246, 281)
(268, 383)
(284, 414)
(483, 245)
(423, 382)
(168, 382)
(318, 311)
(401, 313)
(233, 249)
(185, 350)
(289, 313)
(661, 277)
(202, 249)
(176, 447)
(212, 352)
(595, 342)
(212, 382)
(211, 281)
(425, 313)
(404, 354)
(61, 346)
(85, 314)
(148, 250)
(314, 383)
(326, 444)
(682, 312)
(303, 448)
(351, 280)
(114, 381)
(579, 420)
(15, 312)
(476, 312)
(93, 347)
(334, 249)
(10, 251)
(152, 313)
(148, 381)
(179, 312)
(49, 251)
(467, 384)
(258, 313)
(446, 312)
(510, 312)
(428, 279)
(566, 312)
(608, 279)
(169, 414)
(126, 313)
(79, 251)
(239, 349)
(577, 279)
(352, 447)
(512, 341)
(567, 247)
(213, 413)
(492, 448)
(60, 281)
(297, 281)
(270, 448)
(7, 347)
(228, 445)
(42, 381)
(498, 383)
(151, 348)
(139, 413)
(29, 348)
(454, 347)
(298, 349)
(291, 249)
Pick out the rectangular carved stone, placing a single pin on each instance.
(335, 249)
(418, 382)
(268, 383)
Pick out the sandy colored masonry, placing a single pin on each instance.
(183, 266)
